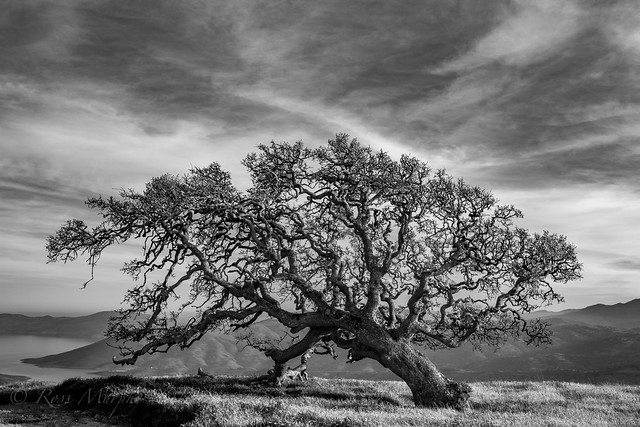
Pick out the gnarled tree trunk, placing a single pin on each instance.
(274, 376)
(428, 385)
(311, 343)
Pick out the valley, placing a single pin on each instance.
(597, 344)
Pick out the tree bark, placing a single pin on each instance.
(428, 385)
(273, 376)
(281, 357)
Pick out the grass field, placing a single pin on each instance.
(226, 401)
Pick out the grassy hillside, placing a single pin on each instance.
(226, 401)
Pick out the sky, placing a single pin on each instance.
(537, 101)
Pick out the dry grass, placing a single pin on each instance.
(233, 402)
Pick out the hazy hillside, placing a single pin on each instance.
(578, 353)
(623, 315)
(91, 327)
(217, 353)
(598, 343)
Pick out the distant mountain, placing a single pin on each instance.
(216, 352)
(582, 350)
(597, 343)
(623, 315)
(579, 352)
(92, 356)
(90, 327)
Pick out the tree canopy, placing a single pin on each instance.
(379, 256)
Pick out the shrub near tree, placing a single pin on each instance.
(340, 243)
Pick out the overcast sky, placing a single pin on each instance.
(538, 101)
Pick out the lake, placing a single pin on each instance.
(13, 348)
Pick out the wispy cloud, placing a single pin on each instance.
(601, 222)
(538, 101)
(530, 32)
(628, 263)
(622, 25)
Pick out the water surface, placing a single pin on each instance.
(13, 348)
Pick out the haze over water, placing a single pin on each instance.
(14, 348)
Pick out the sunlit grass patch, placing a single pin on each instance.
(516, 396)
(307, 411)
(236, 402)
(557, 403)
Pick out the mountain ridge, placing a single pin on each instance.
(89, 327)
(597, 343)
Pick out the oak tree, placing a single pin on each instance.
(341, 243)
